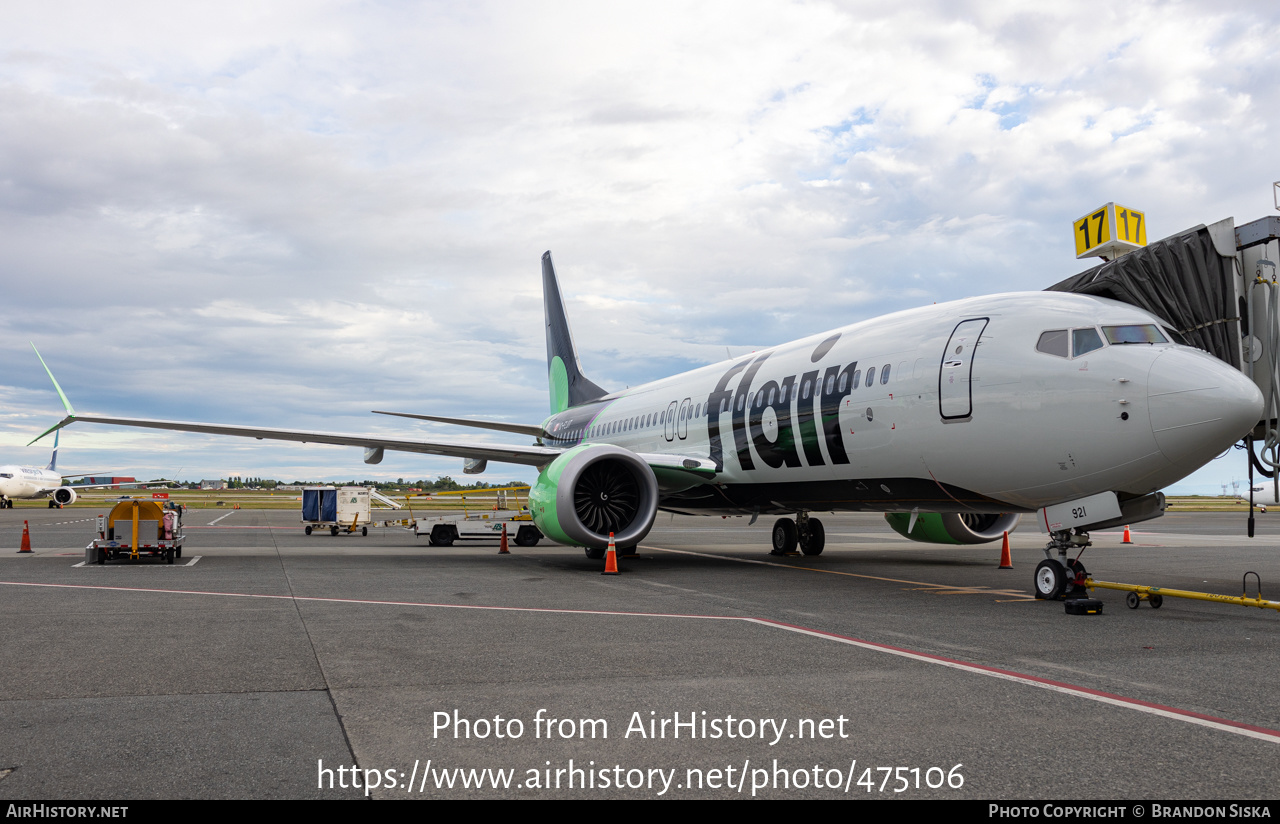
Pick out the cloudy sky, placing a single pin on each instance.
(288, 214)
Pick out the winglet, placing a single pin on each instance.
(68, 419)
(71, 413)
(65, 403)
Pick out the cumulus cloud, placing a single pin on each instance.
(291, 214)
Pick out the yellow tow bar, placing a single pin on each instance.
(1155, 595)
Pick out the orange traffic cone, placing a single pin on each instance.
(610, 559)
(1127, 538)
(1006, 562)
(502, 550)
(26, 538)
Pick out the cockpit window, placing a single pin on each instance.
(1135, 333)
(6, 474)
(1085, 340)
(1053, 343)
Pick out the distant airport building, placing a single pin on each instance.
(109, 481)
(218, 484)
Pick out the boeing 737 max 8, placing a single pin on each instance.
(32, 482)
(952, 419)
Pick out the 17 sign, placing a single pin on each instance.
(1110, 232)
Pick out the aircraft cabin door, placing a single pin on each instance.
(669, 425)
(686, 412)
(955, 376)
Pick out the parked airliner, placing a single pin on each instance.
(29, 482)
(951, 418)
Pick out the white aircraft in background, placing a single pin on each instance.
(952, 419)
(29, 482)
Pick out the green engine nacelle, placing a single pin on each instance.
(592, 490)
(952, 527)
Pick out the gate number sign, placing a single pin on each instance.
(1110, 231)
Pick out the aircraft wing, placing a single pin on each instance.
(504, 453)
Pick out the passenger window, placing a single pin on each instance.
(831, 383)
(857, 378)
(844, 381)
(871, 376)
(770, 401)
(741, 398)
(1085, 340)
(697, 411)
(804, 390)
(1053, 343)
(884, 374)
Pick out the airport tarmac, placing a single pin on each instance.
(883, 668)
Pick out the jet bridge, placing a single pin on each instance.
(1216, 286)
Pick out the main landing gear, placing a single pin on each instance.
(1062, 578)
(804, 532)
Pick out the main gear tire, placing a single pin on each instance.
(785, 537)
(817, 538)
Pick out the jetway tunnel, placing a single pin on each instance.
(1216, 286)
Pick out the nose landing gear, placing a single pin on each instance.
(1062, 579)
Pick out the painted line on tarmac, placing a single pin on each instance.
(1222, 724)
(220, 517)
(190, 563)
(1171, 713)
(211, 526)
(939, 589)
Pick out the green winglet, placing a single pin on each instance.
(66, 403)
(68, 419)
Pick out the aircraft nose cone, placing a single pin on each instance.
(1199, 405)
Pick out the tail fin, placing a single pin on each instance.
(569, 387)
(53, 462)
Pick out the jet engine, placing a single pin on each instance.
(64, 495)
(591, 491)
(953, 527)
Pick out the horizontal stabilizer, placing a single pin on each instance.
(534, 430)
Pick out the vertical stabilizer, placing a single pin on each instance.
(569, 387)
(53, 462)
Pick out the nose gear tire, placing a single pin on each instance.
(1050, 580)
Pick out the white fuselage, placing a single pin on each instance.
(971, 414)
(25, 482)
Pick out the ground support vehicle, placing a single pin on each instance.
(137, 528)
(484, 513)
(346, 509)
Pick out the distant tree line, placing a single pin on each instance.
(444, 483)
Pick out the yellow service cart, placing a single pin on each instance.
(136, 528)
